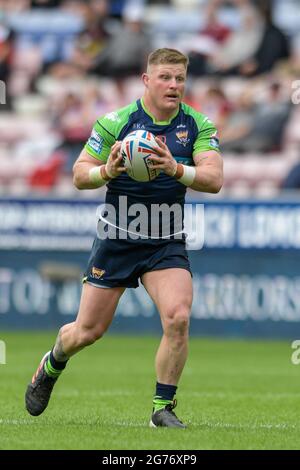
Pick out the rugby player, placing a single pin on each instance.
(187, 156)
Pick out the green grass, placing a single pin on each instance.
(233, 395)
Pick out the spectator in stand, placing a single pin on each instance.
(68, 121)
(274, 46)
(215, 105)
(159, 2)
(45, 3)
(292, 180)
(213, 27)
(93, 40)
(89, 43)
(13, 6)
(74, 118)
(258, 127)
(6, 56)
(212, 35)
(242, 44)
(126, 52)
(190, 98)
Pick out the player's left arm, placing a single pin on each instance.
(205, 176)
(209, 172)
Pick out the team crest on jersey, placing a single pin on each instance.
(182, 137)
(97, 273)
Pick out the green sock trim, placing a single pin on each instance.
(159, 403)
(50, 370)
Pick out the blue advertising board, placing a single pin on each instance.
(246, 277)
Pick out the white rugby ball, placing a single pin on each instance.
(136, 149)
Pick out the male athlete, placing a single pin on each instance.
(188, 156)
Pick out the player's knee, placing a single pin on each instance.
(178, 319)
(181, 323)
(88, 336)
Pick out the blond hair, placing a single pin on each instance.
(167, 56)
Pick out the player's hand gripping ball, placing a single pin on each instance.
(136, 149)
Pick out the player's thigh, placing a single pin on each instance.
(170, 289)
(97, 306)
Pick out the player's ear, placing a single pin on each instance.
(145, 78)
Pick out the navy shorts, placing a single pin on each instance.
(120, 263)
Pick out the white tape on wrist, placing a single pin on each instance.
(189, 173)
(95, 176)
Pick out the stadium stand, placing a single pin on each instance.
(57, 66)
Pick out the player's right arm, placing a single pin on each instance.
(100, 160)
(89, 172)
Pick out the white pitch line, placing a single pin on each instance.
(219, 424)
(280, 426)
(262, 395)
(214, 395)
(18, 422)
(94, 393)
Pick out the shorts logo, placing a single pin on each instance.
(97, 273)
(182, 137)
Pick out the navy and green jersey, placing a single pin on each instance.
(186, 134)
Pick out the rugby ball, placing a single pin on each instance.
(136, 149)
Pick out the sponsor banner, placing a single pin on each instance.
(246, 277)
(47, 225)
(254, 294)
(71, 225)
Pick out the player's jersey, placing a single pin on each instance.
(186, 134)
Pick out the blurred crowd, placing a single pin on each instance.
(66, 62)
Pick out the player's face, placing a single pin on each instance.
(165, 87)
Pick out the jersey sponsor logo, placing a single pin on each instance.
(181, 126)
(96, 136)
(113, 117)
(97, 273)
(137, 125)
(214, 141)
(182, 137)
(96, 142)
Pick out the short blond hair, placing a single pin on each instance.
(167, 56)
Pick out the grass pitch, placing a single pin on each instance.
(233, 395)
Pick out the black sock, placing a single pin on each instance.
(165, 391)
(58, 365)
